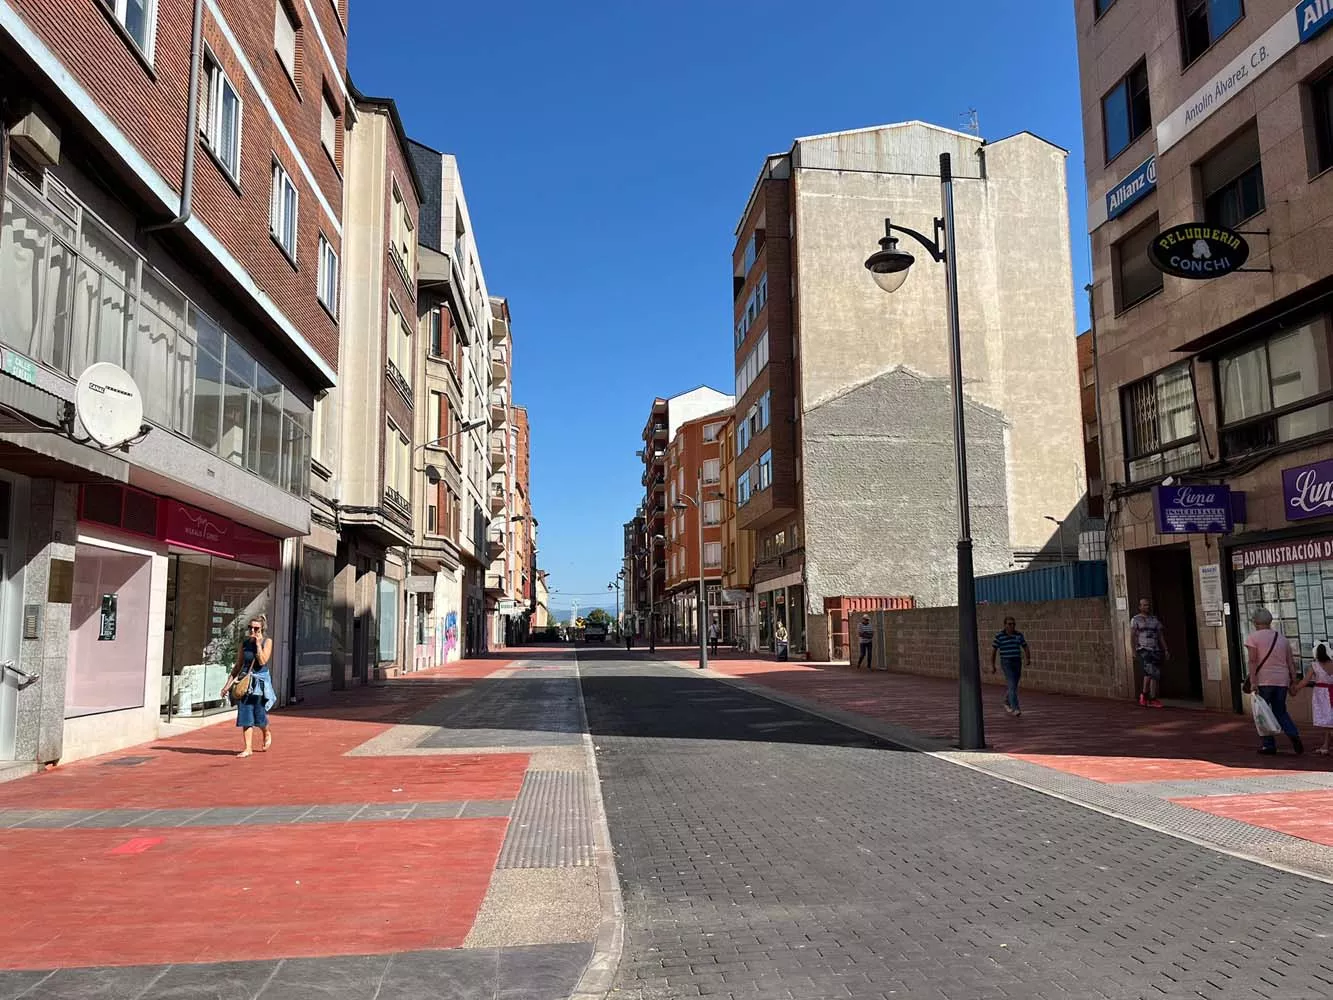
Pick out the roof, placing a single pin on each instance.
(404, 143)
(880, 128)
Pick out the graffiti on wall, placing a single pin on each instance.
(447, 637)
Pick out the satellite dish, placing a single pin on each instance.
(108, 404)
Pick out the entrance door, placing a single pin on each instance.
(1166, 577)
(9, 680)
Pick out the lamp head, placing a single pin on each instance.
(432, 475)
(888, 265)
(679, 505)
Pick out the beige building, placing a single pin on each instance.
(1217, 114)
(844, 421)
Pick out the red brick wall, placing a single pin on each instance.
(150, 108)
(1070, 643)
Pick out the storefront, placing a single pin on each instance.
(315, 623)
(782, 600)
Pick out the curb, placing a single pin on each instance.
(972, 760)
(599, 974)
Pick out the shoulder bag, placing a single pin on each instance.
(1248, 686)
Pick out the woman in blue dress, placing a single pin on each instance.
(252, 662)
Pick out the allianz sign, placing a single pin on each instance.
(1313, 16)
(1141, 181)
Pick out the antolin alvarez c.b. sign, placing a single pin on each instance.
(1196, 250)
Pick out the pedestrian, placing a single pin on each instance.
(1149, 642)
(629, 638)
(865, 632)
(250, 685)
(780, 635)
(1011, 647)
(1320, 678)
(1271, 673)
(714, 637)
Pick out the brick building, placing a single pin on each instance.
(738, 557)
(171, 181)
(523, 536)
(694, 487)
(1219, 114)
(844, 432)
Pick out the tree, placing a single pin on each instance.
(598, 617)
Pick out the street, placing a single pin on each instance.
(764, 852)
(441, 836)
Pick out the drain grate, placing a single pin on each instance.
(551, 826)
(126, 761)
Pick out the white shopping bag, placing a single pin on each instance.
(1264, 719)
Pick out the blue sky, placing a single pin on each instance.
(607, 150)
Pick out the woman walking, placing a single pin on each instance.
(251, 685)
(1320, 678)
(1272, 671)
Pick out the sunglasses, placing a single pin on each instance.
(256, 628)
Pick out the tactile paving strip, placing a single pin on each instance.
(551, 826)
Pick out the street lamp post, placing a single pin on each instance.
(653, 541)
(616, 587)
(889, 267)
(697, 500)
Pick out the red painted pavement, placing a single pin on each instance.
(234, 893)
(81, 897)
(1300, 814)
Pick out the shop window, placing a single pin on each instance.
(1278, 390)
(1161, 433)
(108, 631)
(388, 621)
(314, 622)
(1203, 22)
(1231, 179)
(1133, 276)
(1126, 111)
(1321, 114)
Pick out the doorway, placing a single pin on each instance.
(13, 496)
(1165, 576)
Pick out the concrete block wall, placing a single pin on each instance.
(1070, 642)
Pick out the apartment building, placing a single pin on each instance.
(375, 402)
(458, 368)
(665, 418)
(1087, 403)
(523, 533)
(694, 488)
(1216, 429)
(501, 531)
(634, 563)
(844, 436)
(171, 182)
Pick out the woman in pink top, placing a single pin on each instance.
(1272, 670)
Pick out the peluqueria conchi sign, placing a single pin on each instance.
(1198, 251)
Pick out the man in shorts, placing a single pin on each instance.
(1146, 636)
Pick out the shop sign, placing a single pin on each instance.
(1198, 251)
(19, 367)
(1192, 510)
(1238, 74)
(204, 531)
(1288, 553)
(106, 629)
(1307, 491)
(1312, 17)
(1210, 593)
(1141, 182)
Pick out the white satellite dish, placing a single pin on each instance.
(108, 404)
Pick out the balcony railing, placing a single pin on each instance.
(73, 292)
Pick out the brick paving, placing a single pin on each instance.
(807, 860)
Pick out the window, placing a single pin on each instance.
(1278, 389)
(222, 118)
(743, 488)
(711, 470)
(284, 38)
(1161, 435)
(435, 328)
(755, 362)
(1232, 180)
(138, 18)
(1133, 276)
(712, 512)
(1203, 22)
(433, 496)
(404, 241)
(711, 431)
(397, 465)
(1321, 107)
(1126, 113)
(398, 349)
(437, 419)
(765, 467)
(1100, 7)
(712, 554)
(328, 126)
(282, 211)
(327, 280)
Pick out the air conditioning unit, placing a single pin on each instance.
(37, 138)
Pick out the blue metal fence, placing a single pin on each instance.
(1050, 583)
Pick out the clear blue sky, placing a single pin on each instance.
(607, 150)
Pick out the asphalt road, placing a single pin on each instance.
(767, 853)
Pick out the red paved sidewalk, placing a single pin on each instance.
(1107, 741)
(100, 894)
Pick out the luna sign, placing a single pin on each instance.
(1198, 251)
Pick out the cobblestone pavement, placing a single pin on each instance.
(766, 853)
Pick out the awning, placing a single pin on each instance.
(41, 407)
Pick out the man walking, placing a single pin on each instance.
(1145, 635)
(1011, 647)
(714, 637)
(865, 632)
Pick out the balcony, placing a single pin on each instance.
(497, 498)
(495, 543)
(499, 408)
(499, 362)
(659, 431)
(495, 583)
(499, 453)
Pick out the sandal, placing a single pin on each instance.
(244, 753)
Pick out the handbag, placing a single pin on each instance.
(1264, 719)
(240, 687)
(1248, 687)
